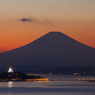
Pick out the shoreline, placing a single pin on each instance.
(46, 80)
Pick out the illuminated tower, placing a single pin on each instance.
(10, 70)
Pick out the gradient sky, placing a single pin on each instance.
(23, 21)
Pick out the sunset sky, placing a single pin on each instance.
(23, 21)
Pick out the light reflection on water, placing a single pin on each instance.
(48, 88)
(10, 84)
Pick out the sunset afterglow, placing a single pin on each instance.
(23, 21)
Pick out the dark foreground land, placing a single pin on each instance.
(19, 76)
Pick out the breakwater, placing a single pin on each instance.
(91, 80)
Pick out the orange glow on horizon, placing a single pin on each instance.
(16, 34)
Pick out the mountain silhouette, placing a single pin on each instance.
(54, 49)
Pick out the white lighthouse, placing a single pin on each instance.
(10, 70)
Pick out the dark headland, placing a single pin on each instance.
(50, 52)
(19, 76)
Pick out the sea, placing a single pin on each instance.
(50, 87)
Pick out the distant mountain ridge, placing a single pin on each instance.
(54, 49)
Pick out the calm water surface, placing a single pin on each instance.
(49, 88)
